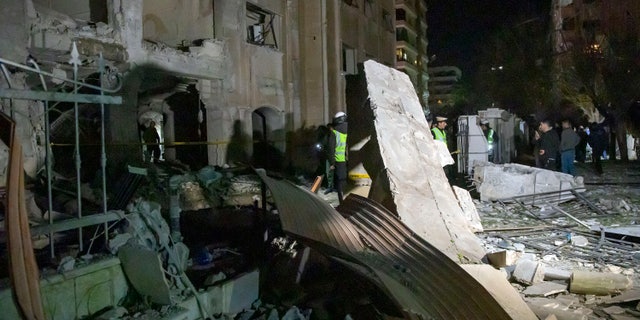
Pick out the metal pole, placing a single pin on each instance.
(48, 157)
(103, 153)
(76, 61)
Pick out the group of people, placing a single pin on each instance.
(439, 133)
(558, 152)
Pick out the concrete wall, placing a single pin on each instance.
(77, 293)
(177, 22)
(13, 31)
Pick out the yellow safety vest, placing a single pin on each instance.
(341, 146)
(439, 134)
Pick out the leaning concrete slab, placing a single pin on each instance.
(501, 290)
(405, 166)
(468, 209)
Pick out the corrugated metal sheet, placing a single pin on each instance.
(304, 214)
(423, 281)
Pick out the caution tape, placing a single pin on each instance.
(137, 144)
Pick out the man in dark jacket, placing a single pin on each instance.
(337, 153)
(598, 141)
(549, 146)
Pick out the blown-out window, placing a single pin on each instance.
(262, 26)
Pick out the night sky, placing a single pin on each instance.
(456, 28)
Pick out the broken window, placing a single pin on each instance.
(349, 60)
(262, 26)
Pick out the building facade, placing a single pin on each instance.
(216, 76)
(411, 44)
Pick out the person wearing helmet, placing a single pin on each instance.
(492, 140)
(438, 130)
(337, 153)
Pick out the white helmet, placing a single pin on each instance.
(339, 118)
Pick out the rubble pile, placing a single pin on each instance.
(577, 259)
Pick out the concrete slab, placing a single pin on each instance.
(545, 289)
(468, 209)
(501, 290)
(496, 182)
(405, 165)
(528, 272)
(143, 268)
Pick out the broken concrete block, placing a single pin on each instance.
(528, 272)
(585, 282)
(118, 241)
(497, 182)
(614, 310)
(498, 259)
(579, 241)
(544, 289)
(556, 274)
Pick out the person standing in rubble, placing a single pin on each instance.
(438, 130)
(322, 148)
(337, 153)
(152, 141)
(598, 140)
(549, 146)
(492, 140)
(568, 141)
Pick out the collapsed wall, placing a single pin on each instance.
(404, 163)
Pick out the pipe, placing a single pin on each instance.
(103, 153)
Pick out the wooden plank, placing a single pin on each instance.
(25, 277)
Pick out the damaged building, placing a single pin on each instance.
(155, 157)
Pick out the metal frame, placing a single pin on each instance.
(80, 221)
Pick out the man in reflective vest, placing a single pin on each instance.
(338, 153)
(492, 140)
(438, 129)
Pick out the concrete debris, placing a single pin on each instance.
(551, 273)
(117, 241)
(613, 310)
(500, 289)
(528, 272)
(143, 268)
(579, 241)
(498, 182)
(597, 283)
(545, 289)
(66, 264)
(468, 209)
(544, 307)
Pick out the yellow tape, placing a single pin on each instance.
(166, 144)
